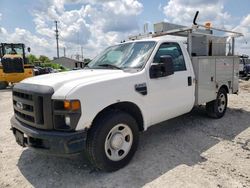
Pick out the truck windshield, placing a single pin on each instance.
(124, 55)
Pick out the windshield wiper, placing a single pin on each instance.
(109, 66)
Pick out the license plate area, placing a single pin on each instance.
(20, 139)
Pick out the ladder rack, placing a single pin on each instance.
(189, 32)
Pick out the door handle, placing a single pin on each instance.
(189, 80)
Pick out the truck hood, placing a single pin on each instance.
(75, 78)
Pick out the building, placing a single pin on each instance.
(68, 62)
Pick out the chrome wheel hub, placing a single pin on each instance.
(222, 103)
(118, 142)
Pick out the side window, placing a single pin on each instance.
(173, 50)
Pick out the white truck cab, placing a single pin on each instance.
(124, 90)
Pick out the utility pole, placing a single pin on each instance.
(64, 51)
(57, 37)
(82, 53)
(145, 28)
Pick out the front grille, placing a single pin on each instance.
(24, 116)
(24, 106)
(22, 95)
(29, 101)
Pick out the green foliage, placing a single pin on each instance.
(87, 60)
(35, 60)
(44, 59)
(32, 59)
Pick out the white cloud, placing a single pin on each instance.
(243, 43)
(182, 12)
(38, 45)
(246, 21)
(1, 29)
(95, 25)
(3, 33)
(123, 7)
(87, 1)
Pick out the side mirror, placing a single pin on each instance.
(28, 49)
(162, 69)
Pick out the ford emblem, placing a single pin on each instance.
(19, 105)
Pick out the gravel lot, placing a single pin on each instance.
(189, 151)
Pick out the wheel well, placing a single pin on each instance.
(225, 87)
(128, 107)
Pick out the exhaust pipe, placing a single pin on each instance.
(195, 17)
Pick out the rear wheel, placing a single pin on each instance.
(3, 84)
(218, 107)
(112, 141)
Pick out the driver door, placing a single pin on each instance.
(172, 95)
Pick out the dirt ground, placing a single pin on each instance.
(189, 151)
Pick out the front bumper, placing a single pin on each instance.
(51, 142)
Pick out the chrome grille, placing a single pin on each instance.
(24, 107)
(29, 102)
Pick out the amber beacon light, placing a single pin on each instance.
(208, 25)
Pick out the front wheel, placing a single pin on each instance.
(218, 107)
(112, 140)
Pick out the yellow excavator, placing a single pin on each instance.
(14, 66)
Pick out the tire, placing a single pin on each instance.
(112, 141)
(244, 74)
(3, 84)
(218, 107)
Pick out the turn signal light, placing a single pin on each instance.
(72, 105)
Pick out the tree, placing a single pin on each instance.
(44, 59)
(87, 60)
(32, 58)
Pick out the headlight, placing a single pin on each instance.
(66, 114)
(67, 120)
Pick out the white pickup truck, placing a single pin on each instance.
(123, 91)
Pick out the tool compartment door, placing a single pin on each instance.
(224, 70)
(204, 68)
(236, 75)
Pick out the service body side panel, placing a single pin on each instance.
(212, 72)
(224, 70)
(226, 74)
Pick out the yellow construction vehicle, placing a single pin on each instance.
(14, 66)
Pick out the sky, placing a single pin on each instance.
(89, 26)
